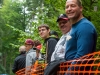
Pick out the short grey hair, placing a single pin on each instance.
(22, 48)
(79, 2)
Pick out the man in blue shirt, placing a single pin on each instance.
(83, 33)
(82, 37)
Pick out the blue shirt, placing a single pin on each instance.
(83, 40)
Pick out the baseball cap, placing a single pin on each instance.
(29, 42)
(39, 47)
(62, 16)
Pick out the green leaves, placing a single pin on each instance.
(19, 21)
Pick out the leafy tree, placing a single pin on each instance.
(12, 17)
(93, 15)
(19, 21)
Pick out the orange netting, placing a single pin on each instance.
(86, 65)
(36, 69)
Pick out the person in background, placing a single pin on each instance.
(30, 55)
(49, 42)
(59, 52)
(82, 36)
(19, 62)
(54, 34)
(65, 26)
(37, 47)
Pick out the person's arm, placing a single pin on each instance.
(86, 40)
(50, 48)
(28, 64)
(28, 60)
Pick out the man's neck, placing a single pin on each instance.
(46, 37)
(75, 20)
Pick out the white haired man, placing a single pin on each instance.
(19, 62)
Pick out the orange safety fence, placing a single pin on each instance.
(86, 65)
(21, 72)
(36, 69)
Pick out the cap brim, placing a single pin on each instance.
(62, 19)
(28, 44)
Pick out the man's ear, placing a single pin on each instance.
(81, 8)
(49, 31)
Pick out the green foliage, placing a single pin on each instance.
(2, 69)
(93, 16)
(11, 28)
(16, 24)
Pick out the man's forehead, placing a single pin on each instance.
(42, 28)
(68, 1)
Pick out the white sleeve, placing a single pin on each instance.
(52, 57)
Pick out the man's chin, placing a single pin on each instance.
(42, 37)
(70, 17)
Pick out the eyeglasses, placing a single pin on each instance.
(62, 22)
